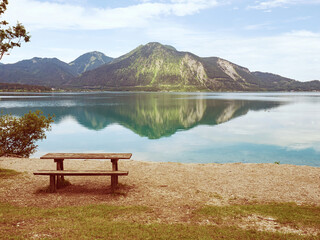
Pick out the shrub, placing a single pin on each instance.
(18, 135)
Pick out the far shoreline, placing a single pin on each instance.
(151, 91)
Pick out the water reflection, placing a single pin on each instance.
(152, 115)
(186, 127)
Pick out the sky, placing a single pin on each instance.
(277, 36)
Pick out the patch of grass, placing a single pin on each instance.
(285, 213)
(290, 214)
(219, 214)
(97, 222)
(6, 173)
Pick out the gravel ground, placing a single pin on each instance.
(171, 190)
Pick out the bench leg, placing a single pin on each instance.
(53, 185)
(115, 168)
(113, 184)
(116, 180)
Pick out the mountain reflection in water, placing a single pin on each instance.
(152, 115)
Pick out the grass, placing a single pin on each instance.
(289, 214)
(6, 173)
(98, 222)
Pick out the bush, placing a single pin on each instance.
(19, 134)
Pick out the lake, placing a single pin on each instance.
(180, 127)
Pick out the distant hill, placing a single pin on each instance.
(275, 82)
(89, 61)
(37, 71)
(50, 71)
(150, 67)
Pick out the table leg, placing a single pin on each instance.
(60, 179)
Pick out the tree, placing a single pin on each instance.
(10, 37)
(19, 134)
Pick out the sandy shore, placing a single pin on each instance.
(172, 190)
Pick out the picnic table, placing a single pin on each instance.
(56, 176)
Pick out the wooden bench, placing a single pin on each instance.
(58, 175)
(55, 174)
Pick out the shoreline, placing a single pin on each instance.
(171, 183)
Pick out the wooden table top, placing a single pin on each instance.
(87, 156)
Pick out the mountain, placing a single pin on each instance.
(89, 61)
(37, 71)
(160, 67)
(150, 67)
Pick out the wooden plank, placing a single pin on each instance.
(81, 173)
(87, 156)
(49, 170)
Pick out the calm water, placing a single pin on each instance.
(180, 127)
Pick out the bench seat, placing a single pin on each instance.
(54, 174)
(81, 172)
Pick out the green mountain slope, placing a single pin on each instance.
(151, 66)
(89, 61)
(159, 67)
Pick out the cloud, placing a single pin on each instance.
(263, 5)
(57, 15)
(257, 26)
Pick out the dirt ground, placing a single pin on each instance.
(172, 190)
